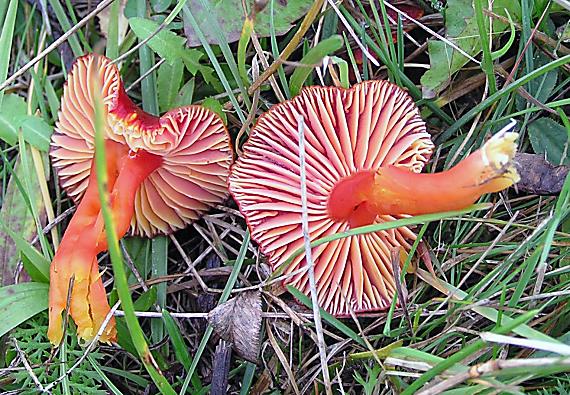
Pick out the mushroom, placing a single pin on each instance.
(365, 148)
(163, 173)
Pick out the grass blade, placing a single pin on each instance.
(120, 274)
(6, 42)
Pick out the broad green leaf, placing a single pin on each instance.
(540, 88)
(169, 80)
(21, 302)
(146, 300)
(139, 251)
(160, 5)
(549, 138)
(461, 30)
(38, 264)
(36, 132)
(13, 118)
(170, 46)
(166, 43)
(15, 214)
(13, 108)
(230, 16)
(311, 58)
(184, 97)
(216, 107)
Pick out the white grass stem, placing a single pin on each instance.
(309, 258)
(542, 345)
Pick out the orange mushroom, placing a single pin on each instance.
(162, 174)
(365, 148)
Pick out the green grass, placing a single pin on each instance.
(493, 273)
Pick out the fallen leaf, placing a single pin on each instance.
(238, 321)
(538, 176)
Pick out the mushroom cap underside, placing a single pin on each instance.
(193, 142)
(372, 124)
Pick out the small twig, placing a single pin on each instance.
(281, 356)
(401, 290)
(309, 258)
(215, 244)
(54, 223)
(255, 102)
(263, 60)
(145, 75)
(28, 367)
(190, 265)
(67, 309)
(132, 267)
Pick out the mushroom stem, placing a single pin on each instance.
(85, 237)
(393, 190)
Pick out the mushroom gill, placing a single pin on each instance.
(365, 148)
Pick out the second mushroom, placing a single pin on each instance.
(365, 149)
(163, 173)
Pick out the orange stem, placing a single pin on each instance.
(361, 197)
(85, 237)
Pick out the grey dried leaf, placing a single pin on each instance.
(238, 321)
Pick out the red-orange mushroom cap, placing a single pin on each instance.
(365, 149)
(162, 174)
(347, 132)
(192, 142)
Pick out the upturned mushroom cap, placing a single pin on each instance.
(347, 131)
(192, 141)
